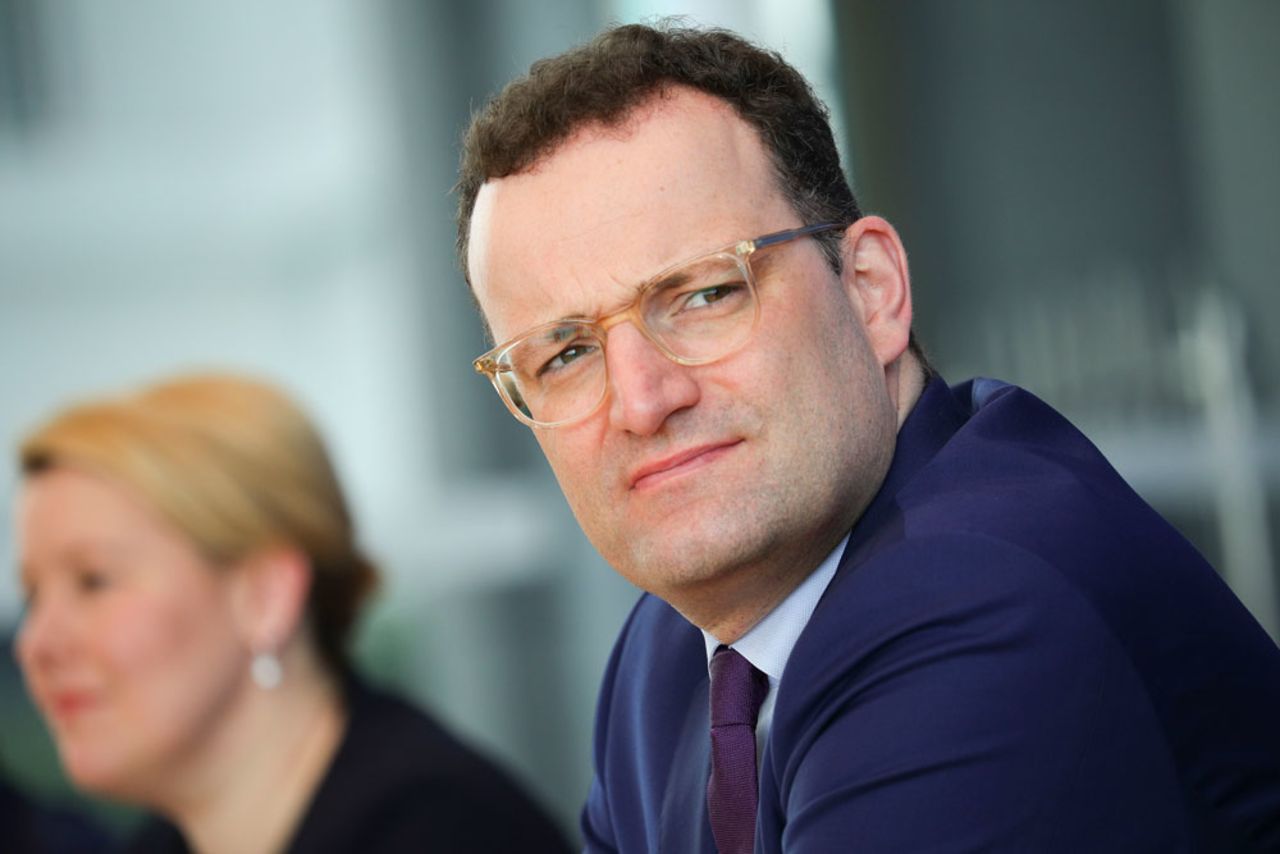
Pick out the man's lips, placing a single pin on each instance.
(656, 471)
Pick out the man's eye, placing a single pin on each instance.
(704, 297)
(566, 357)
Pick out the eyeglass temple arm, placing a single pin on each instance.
(793, 233)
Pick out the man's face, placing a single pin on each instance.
(687, 477)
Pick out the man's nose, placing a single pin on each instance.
(645, 387)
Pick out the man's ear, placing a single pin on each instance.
(273, 585)
(876, 279)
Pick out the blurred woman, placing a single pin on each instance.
(192, 576)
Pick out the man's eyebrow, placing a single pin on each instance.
(557, 330)
(763, 262)
(668, 277)
(633, 291)
(671, 279)
(564, 320)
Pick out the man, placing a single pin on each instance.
(881, 614)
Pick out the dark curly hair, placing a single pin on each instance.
(604, 80)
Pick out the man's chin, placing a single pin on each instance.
(685, 558)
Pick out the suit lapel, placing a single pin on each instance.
(684, 825)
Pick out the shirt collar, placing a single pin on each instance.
(769, 642)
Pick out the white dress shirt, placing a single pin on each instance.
(769, 643)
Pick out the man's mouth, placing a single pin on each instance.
(658, 471)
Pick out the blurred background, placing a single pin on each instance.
(1089, 192)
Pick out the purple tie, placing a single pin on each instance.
(737, 690)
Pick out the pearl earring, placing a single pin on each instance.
(266, 670)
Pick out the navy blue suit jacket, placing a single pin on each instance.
(1016, 653)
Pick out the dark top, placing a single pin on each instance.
(29, 827)
(1015, 654)
(400, 783)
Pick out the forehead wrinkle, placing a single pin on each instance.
(598, 223)
(597, 307)
(595, 304)
(612, 223)
(668, 274)
(562, 263)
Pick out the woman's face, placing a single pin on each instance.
(130, 644)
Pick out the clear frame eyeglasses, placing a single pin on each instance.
(695, 312)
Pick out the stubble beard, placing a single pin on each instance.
(755, 541)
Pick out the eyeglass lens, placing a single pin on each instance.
(696, 313)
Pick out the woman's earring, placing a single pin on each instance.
(265, 670)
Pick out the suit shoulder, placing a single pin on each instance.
(955, 580)
(653, 635)
(979, 684)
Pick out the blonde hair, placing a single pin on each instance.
(236, 466)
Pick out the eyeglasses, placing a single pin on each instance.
(695, 312)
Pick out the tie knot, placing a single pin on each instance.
(737, 689)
